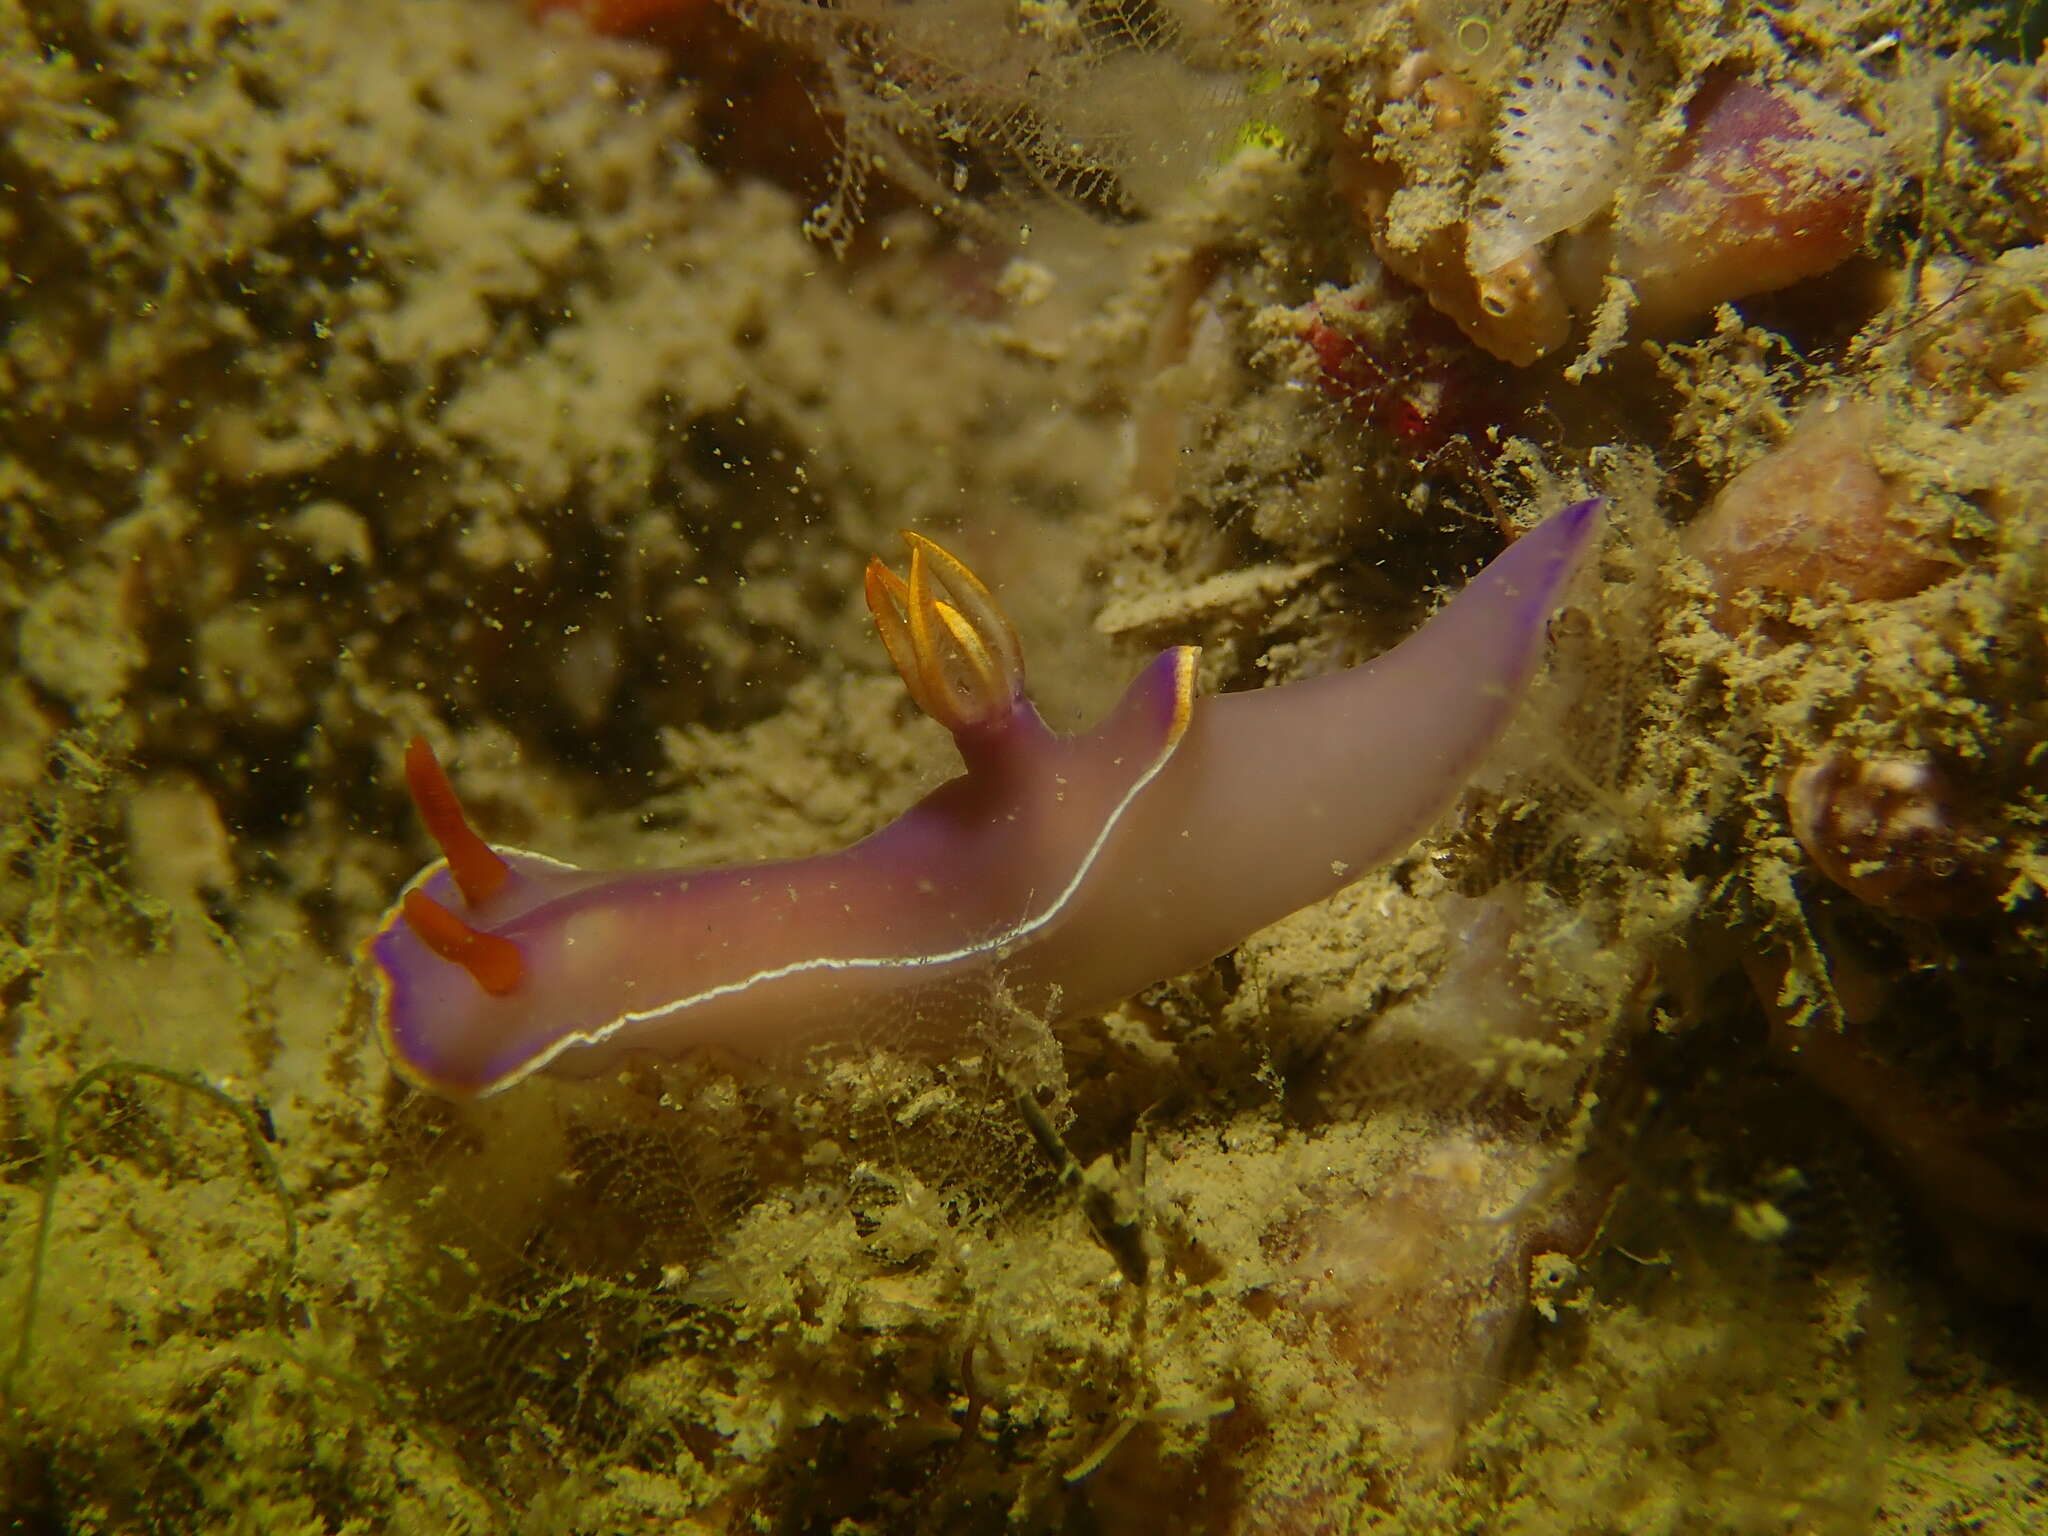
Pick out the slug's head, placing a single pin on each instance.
(958, 654)
(464, 992)
(478, 870)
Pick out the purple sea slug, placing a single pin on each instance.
(1061, 873)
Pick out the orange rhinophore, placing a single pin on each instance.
(494, 961)
(479, 871)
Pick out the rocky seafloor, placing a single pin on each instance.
(1658, 1146)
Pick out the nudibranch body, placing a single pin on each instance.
(1061, 873)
